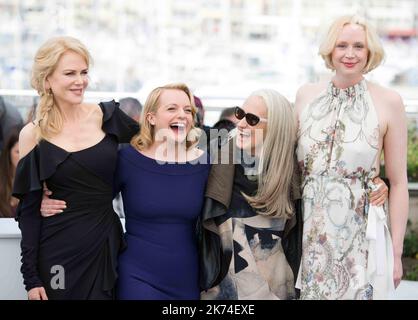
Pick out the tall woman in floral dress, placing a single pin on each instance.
(344, 126)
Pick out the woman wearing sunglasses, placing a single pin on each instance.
(251, 236)
(249, 203)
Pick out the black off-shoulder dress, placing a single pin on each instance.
(73, 255)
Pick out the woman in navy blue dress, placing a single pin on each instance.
(162, 177)
(162, 203)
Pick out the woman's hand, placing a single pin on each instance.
(397, 271)
(51, 207)
(37, 293)
(379, 196)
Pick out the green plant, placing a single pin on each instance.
(412, 154)
(410, 243)
(413, 274)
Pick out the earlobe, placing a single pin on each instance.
(150, 118)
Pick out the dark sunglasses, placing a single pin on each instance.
(251, 119)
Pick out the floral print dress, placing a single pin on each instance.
(338, 144)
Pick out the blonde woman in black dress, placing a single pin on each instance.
(71, 147)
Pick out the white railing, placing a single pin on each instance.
(11, 281)
(413, 186)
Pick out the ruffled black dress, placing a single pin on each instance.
(73, 255)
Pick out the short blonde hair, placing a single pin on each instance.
(146, 136)
(376, 53)
(48, 116)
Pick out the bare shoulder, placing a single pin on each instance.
(93, 111)
(92, 108)
(27, 139)
(389, 99)
(307, 92)
(312, 86)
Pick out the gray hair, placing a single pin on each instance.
(277, 157)
(131, 106)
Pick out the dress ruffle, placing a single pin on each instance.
(116, 122)
(42, 162)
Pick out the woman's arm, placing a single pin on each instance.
(30, 221)
(395, 149)
(51, 207)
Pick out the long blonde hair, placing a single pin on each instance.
(49, 120)
(145, 138)
(277, 158)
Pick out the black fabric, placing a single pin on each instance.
(118, 123)
(239, 262)
(30, 225)
(86, 238)
(239, 206)
(214, 260)
(27, 177)
(292, 242)
(42, 162)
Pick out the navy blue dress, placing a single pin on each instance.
(162, 204)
